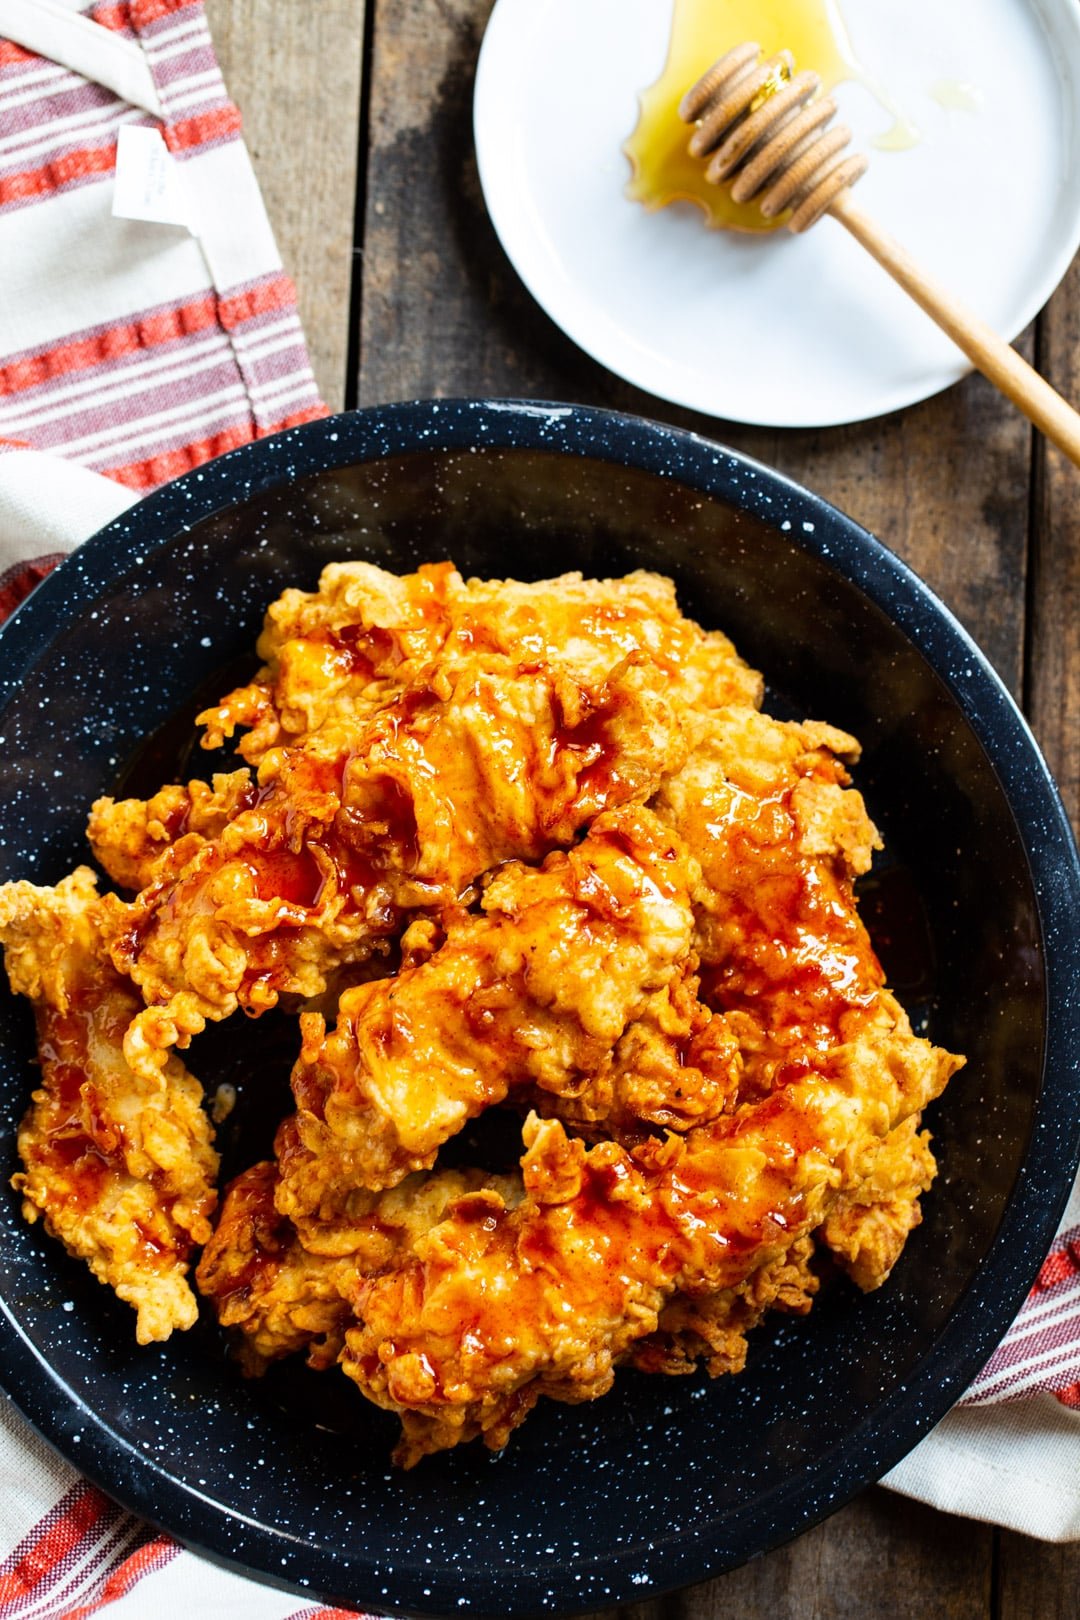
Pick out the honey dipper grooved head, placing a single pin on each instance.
(762, 126)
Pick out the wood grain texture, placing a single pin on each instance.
(882, 1557)
(1038, 1582)
(294, 69)
(1054, 654)
(425, 306)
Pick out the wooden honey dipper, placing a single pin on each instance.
(763, 129)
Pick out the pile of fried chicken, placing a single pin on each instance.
(527, 847)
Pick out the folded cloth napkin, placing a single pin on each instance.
(137, 349)
(135, 345)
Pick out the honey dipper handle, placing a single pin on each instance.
(982, 345)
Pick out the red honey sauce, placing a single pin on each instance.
(799, 957)
(368, 650)
(592, 744)
(251, 1207)
(80, 1145)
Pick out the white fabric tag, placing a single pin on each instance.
(150, 184)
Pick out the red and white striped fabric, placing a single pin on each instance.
(1042, 1349)
(133, 348)
(1009, 1452)
(134, 351)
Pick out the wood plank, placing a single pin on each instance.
(1054, 661)
(423, 307)
(882, 1556)
(1037, 1581)
(295, 73)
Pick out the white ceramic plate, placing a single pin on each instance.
(779, 330)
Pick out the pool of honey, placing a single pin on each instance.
(701, 31)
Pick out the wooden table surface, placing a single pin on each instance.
(359, 122)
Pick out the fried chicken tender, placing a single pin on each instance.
(280, 1297)
(765, 807)
(867, 1228)
(536, 990)
(365, 634)
(781, 836)
(495, 1307)
(122, 1171)
(344, 840)
(134, 838)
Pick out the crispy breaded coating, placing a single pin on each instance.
(282, 1297)
(537, 990)
(443, 784)
(495, 1307)
(121, 1170)
(780, 836)
(344, 650)
(133, 838)
(676, 1065)
(867, 1227)
(696, 1326)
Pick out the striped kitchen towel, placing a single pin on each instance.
(1009, 1451)
(131, 346)
(1042, 1349)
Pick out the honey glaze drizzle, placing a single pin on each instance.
(813, 31)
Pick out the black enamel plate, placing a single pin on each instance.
(666, 1481)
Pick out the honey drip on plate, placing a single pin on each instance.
(701, 31)
(956, 95)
